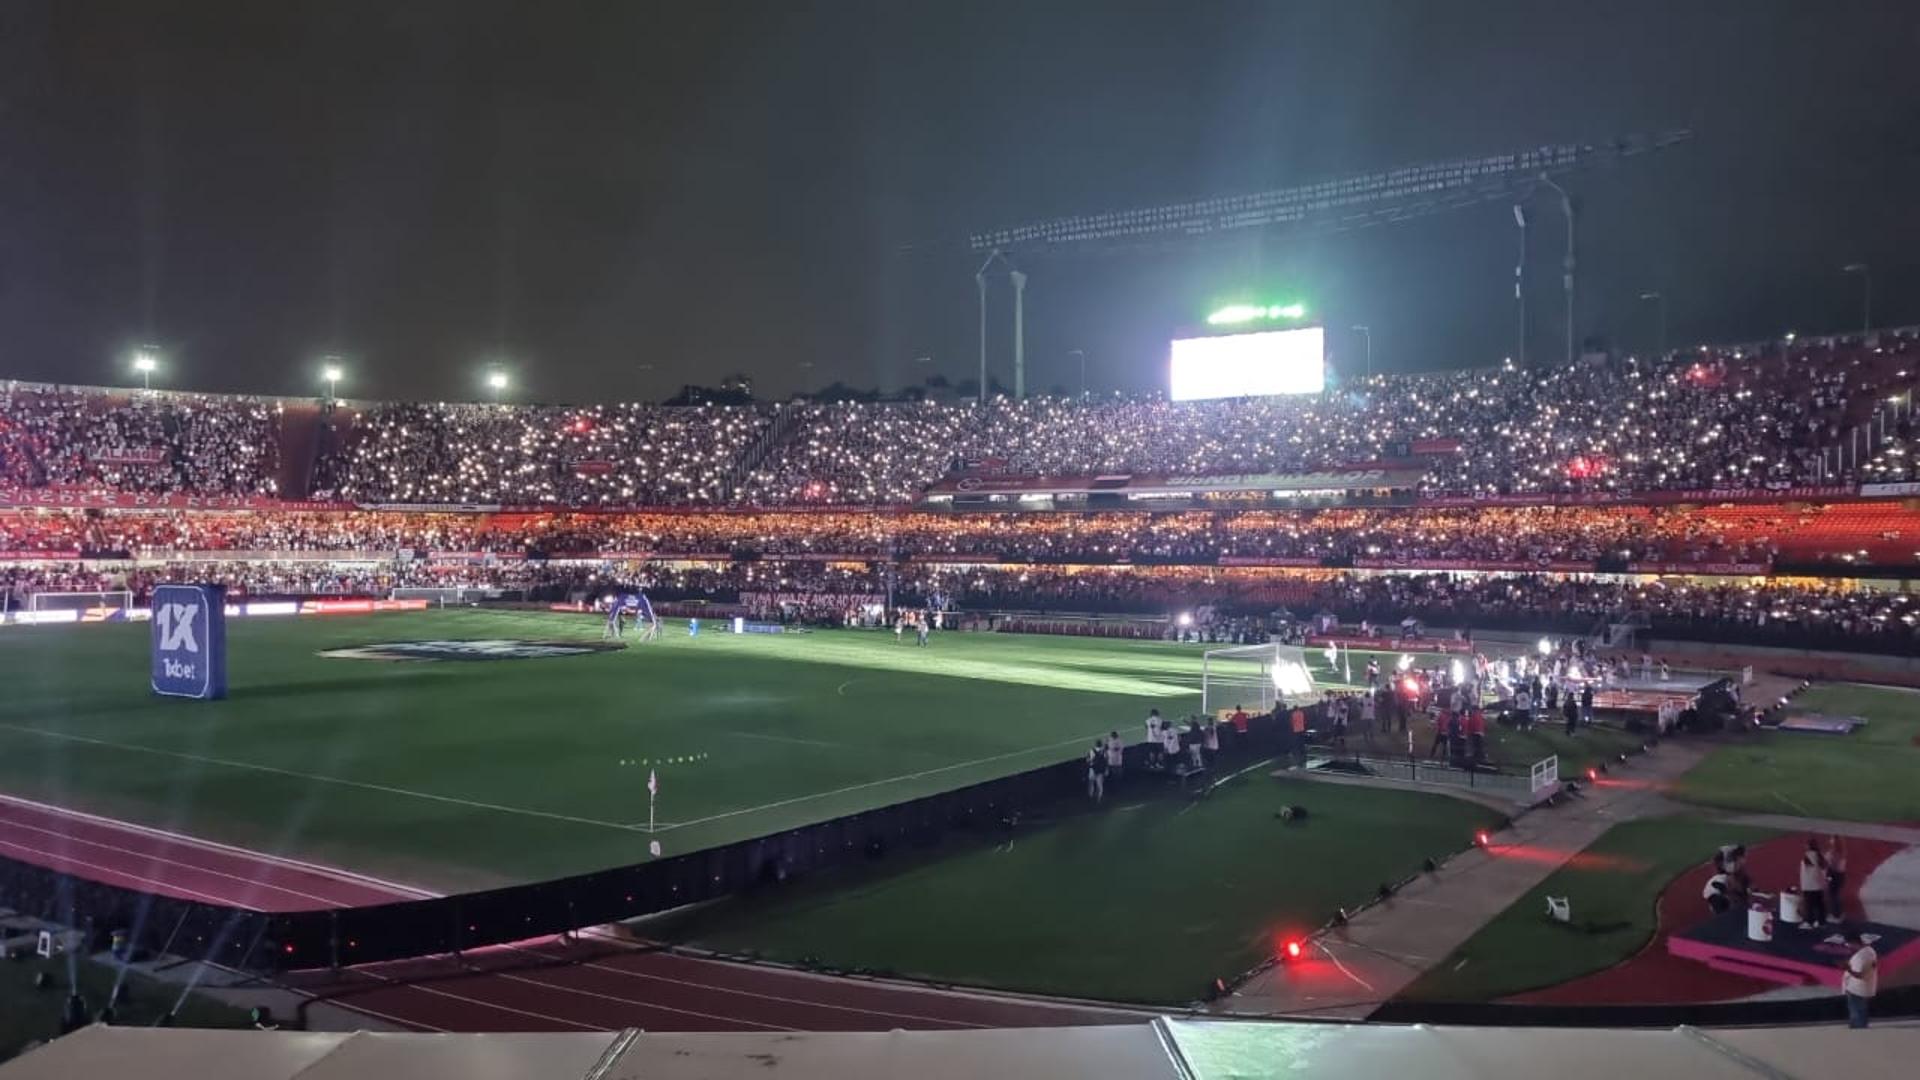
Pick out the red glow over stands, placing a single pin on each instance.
(1586, 466)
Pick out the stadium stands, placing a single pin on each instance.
(767, 506)
(1714, 419)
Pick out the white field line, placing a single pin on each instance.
(850, 788)
(317, 778)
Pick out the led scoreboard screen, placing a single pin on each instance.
(1259, 364)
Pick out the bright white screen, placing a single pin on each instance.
(1249, 365)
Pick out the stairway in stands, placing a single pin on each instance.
(777, 430)
(300, 425)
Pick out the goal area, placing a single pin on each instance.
(1254, 677)
(443, 596)
(107, 600)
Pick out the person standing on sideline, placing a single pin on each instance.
(1170, 745)
(1298, 722)
(1239, 720)
(1097, 772)
(1571, 709)
(1441, 729)
(1859, 979)
(921, 626)
(1153, 738)
(1586, 704)
(1836, 878)
(1116, 756)
(1813, 886)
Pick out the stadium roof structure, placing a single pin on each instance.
(1350, 202)
(1165, 1049)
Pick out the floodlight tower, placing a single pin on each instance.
(1566, 207)
(1019, 280)
(1520, 279)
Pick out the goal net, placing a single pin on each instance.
(1254, 677)
(439, 596)
(108, 601)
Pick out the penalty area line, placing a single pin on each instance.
(363, 785)
(851, 788)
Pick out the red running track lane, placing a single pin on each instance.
(1655, 976)
(156, 861)
(595, 983)
(601, 984)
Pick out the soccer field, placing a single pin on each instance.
(460, 774)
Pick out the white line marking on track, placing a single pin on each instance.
(225, 849)
(644, 1004)
(165, 887)
(809, 1003)
(316, 778)
(849, 789)
(378, 1015)
(483, 1003)
(151, 859)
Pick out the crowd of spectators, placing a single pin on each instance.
(1490, 534)
(1784, 612)
(1712, 419)
(148, 443)
(592, 456)
(1604, 424)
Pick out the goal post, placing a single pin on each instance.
(1254, 677)
(107, 600)
(442, 596)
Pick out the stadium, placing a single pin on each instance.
(1449, 718)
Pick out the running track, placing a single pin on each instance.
(595, 983)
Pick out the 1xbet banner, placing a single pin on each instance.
(190, 641)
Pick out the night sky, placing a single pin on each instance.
(618, 198)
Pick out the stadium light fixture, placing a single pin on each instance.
(331, 372)
(1235, 314)
(497, 382)
(146, 360)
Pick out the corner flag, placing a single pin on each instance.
(653, 782)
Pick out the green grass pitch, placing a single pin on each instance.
(1147, 902)
(462, 774)
(467, 774)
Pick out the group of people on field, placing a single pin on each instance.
(1170, 748)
